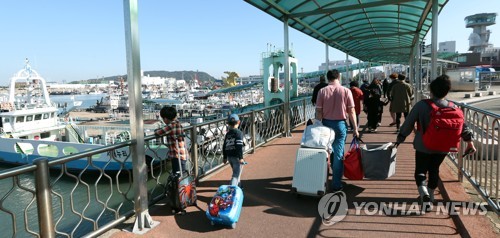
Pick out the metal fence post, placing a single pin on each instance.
(460, 161)
(304, 111)
(285, 119)
(253, 131)
(44, 199)
(194, 148)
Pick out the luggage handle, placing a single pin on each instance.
(241, 171)
(179, 152)
(356, 141)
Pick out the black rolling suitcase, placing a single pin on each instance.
(181, 189)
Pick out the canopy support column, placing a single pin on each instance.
(143, 221)
(287, 79)
(434, 43)
(327, 60)
(346, 67)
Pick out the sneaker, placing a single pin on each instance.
(431, 194)
(392, 124)
(424, 199)
(379, 124)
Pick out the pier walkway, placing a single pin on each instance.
(271, 210)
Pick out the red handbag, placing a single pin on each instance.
(353, 169)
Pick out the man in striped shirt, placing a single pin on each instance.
(175, 138)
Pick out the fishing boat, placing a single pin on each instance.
(30, 128)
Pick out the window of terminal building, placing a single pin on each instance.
(38, 117)
(20, 119)
(45, 116)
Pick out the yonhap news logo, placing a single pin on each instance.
(332, 208)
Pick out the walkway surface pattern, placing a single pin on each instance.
(271, 210)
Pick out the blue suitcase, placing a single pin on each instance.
(225, 207)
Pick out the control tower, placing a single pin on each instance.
(478, 39)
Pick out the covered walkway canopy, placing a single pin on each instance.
(370, 30)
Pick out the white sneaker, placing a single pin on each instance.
(431, 194)
(424, 199)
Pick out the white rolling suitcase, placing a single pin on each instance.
(310, 172)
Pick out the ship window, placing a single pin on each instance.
(38, 117)
(48, 150)
(45, 116)
(6, 120)
(53, 115)
(44, 135)
(20, 119)
(29, 118)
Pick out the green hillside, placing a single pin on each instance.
(187, 75)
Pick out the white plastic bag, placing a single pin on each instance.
(318, 136)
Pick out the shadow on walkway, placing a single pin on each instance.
(271, 210)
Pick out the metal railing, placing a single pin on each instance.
(48, 198)
(481, 168)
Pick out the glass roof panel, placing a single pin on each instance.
(386, 30)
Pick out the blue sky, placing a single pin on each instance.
(77, 40)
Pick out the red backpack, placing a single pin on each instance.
(445, 128)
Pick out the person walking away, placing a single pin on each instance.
(175, 138)
(393, 77)
(373, 104)
(427, 161)
(376, 88)
(357, 96)
(232, 149)
(334, 105)
(322, 84)
(401, 94)
(385, 87)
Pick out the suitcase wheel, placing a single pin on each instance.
(233, 226)
(212, 223)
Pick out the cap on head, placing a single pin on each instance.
(233, 118)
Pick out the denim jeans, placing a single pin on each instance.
(340, 128)
(175, 165)
(236, 166)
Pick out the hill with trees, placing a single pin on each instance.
(186, 75)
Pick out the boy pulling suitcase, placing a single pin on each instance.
(225, 207)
